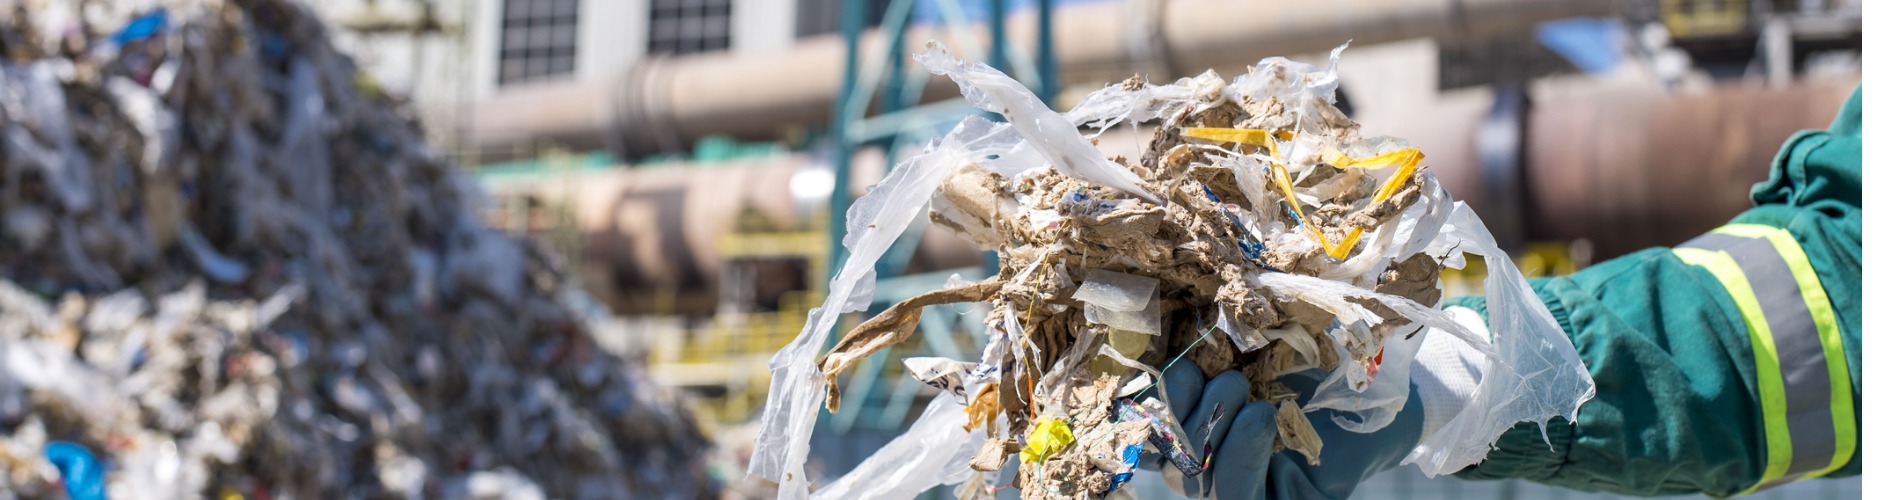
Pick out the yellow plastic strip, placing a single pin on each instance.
(1840, 389)
(1285, 183)
(1255, 137)
(1050, 436)
(1774, 401)
(1407, 155)
(1407, 160)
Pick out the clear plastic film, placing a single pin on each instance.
(1536, 376)
(1118, 103)
(1367, 333)
(1378, 403)
(1121, 301)
(936, 450)
(1042, 128)
(874, 221)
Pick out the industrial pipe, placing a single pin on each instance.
(664, 103)
(1629, 169)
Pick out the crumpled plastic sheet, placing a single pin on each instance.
(1537, 375)
(1531, 371)
(234, 266)
(1115, 104)
(1378, 404)
(1121, 301)
(1292, 82)
(874, 221)
(934, 451)
(1042, 128)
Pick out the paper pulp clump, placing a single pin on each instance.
(231, 266)
(1258, 211)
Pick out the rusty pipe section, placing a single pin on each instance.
(1631, 169)
(664, 104)
(652, 236)
(1626, 168)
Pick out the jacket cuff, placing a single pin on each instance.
(1522, 453)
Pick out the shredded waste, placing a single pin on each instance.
(233, 267)
(1259, 231)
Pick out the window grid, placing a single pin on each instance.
(537, 40)
(689, 26)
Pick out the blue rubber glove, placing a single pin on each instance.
(1245, 466)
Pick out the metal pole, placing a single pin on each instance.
(894, 95)
(1046, 51)
(843, 146)
(999, 56)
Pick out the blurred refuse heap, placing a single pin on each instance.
(1259, 231)
(233, 266)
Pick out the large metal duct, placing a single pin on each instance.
(1629, 168)
(665, 103)
(652, 236)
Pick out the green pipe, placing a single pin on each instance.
(853, 25)
(1046, 52)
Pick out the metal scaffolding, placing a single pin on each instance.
(878, 394)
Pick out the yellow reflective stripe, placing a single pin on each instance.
(1774, 402)
(1840, 389)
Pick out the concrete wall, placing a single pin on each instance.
(461, 62)
(613, 34)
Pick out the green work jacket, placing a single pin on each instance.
(1676, 337)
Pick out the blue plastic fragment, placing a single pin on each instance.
(145, 26)
(78, 469)
(1131, 455)
(1210, 193)
(1161, 437)
(1248, 245)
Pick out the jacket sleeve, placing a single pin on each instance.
(1677, 410)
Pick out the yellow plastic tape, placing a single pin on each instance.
(1255, 137)
(1050, 436)
(1407, 159)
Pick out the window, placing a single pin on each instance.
(537, 40)
(823, 17)
(688, 26)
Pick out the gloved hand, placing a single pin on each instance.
(1245, 466)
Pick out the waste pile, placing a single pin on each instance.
(234, 267)
(1259, 231)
